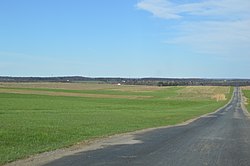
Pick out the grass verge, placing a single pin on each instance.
(246, 93)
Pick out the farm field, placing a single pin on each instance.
(39, 117)
(246, 92)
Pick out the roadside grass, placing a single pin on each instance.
(246, 93)
(31, 123)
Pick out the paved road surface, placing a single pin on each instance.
(220, 139)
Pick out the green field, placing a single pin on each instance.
(35, 118)
(246, 93)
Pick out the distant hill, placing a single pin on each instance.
(134, 81)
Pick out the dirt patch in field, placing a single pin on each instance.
(219, 97)
(246, 101)
(71, 94)
(137, 88)
(68, 86)
(245, 88)
(82, 86)
(206, 89)
(218, 93)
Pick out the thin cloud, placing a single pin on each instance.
(159, 8)
(212, 26)
(215, 37)
(221, 8)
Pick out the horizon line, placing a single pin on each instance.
(126, 77)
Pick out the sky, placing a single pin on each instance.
(125, 38)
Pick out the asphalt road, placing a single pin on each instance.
(219, 139)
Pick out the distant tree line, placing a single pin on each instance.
(135, 81)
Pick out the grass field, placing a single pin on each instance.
(246, 92)
(38, 117)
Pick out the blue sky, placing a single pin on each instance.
(126, 38)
